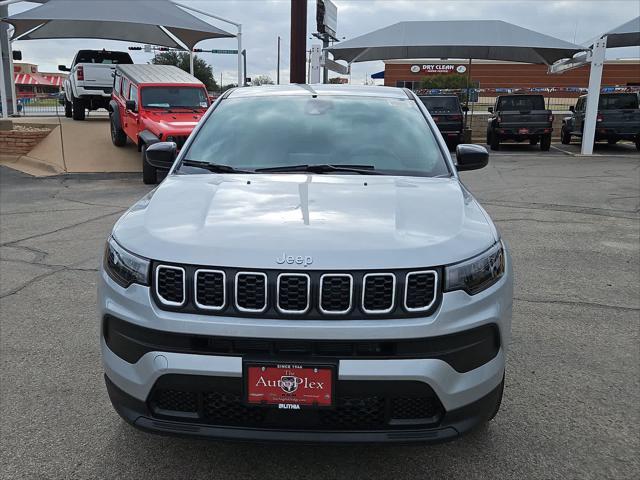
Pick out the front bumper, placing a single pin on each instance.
(450, 426)
(466, 396)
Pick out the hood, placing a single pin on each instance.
(179, 123)
(331, 221)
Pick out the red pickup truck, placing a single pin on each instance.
(154, 103)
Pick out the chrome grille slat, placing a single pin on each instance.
(342, 285)
(378, 292)
(420, 292)
(210, 289)
(291, 294)
(251, 292)
(170, 285)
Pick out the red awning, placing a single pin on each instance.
(55, 80)
(32, 79)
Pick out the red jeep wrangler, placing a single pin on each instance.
(154, 103)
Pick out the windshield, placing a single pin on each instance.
(521, 102)
(103, 56)
(174, 97)
(441, 104)
(620, 101)
(387, 134)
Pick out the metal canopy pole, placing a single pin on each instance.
(238, 35)
(593, 97)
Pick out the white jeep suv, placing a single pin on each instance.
(311, 269)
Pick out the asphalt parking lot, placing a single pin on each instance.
(571, 406)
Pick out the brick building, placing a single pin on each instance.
(492, 74)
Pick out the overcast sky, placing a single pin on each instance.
(264, 20)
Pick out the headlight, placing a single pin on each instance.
(478, 273)
(124, 267)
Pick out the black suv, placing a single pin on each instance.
(618, 119)
(520, 118)
(447, 113)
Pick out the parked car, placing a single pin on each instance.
(520, 118)
(311, 269)
(448, 115)
(618, 119)
(153, 103)
(90, 80)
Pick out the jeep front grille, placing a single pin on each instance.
(296, 294)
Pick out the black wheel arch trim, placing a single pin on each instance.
(147, 138)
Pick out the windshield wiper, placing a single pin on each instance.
(213, 167)
(321, 168)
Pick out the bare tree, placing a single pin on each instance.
(261, 80)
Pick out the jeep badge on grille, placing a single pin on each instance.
(305, 261)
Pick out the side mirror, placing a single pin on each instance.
(63, 68)
(471, 157)
(572, 108)
(131, 105)
(162, 155)
(490, 109)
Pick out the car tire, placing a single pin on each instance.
(118, 137)
(498, 402)
(565, 137)
(488, 137)
(612, 141)
(638, 142)
(494, 141)
(68, 108)
(545, 142)
(533, 141)
(149, 172)
(78, 109)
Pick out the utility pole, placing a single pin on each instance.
(278, 69)
(298, 41)
(244, 56)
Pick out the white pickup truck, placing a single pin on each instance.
(90, 81)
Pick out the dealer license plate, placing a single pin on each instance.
(289, 385)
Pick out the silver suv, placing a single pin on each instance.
(311, 269)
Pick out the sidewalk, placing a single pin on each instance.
(75, 147)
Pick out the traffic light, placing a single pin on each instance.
(135, 48)
(163, 49)
(198, 50)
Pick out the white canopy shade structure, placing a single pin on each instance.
(154, 22)
(626, 35)
(474, 39)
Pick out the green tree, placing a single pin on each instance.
(201, 69)
(261, 80)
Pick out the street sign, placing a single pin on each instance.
(225, 52)
(333, 65)
(326, 17)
